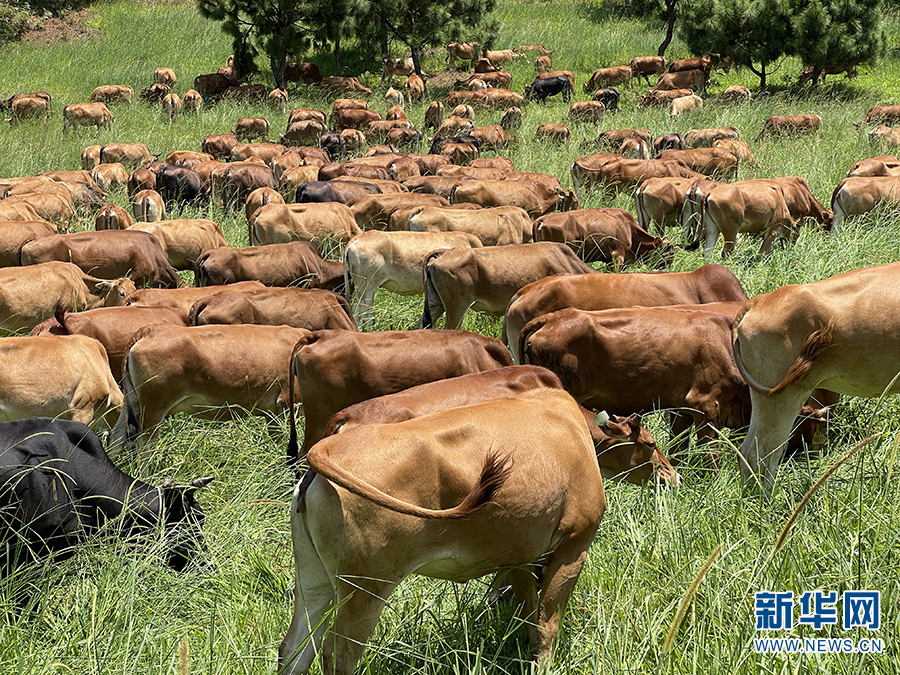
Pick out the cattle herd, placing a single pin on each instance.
(482, 455)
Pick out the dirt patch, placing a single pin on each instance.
(73, 27)
(446, 78)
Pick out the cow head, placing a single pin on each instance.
(114, 292)
(568, 201)
(182, 521)
(625, 447)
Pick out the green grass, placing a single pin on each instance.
(114, 608)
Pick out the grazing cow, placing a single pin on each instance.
(15, 233)
(282, 223)
(87, 115)
(192, 101)
(703, 63)
(687, 79)
(141, 179)
(467, 51)
(312, 309)
(341, 191)
(165, 76)
(782, 125)
(260, 197)
(110, 176)
(374, 211)
(858, 195)
(396, 112)
(608, 97)
(55, 375)
(809, 73)
(668, 142)
(113, 327)
(470, 540)
(542, 63)
(305, 71)
(683, 356)
(205, 371)
(535, 198)
(885, 165)
(349, 85)
(305, 114)
(188, 158)
(113, 217)
(304, 132)
(239, 179)
(60, 488)
(684, 104)
(497, 226)
(749, 206)
(335, 369)
(454, 126)
(131, 154)
(740, 149)
(394, 97)
(662, 98)
(497, 98)
(184, 240)
(31, 294)
(886, 114)
(736, 94)
(155, 93)
(30, 107)
(708, 161)
(354, 118)
(634, 148)
(179, 184)
(554, 133)
(112, 93)
(511, 119)
(644, 66)
(181, 299)
(709, 283)
(603, 235)
(661, 201)
(109, 254)
(624, 449)
(251, 127)
(541, 88)
(829, 334)
(484, 279)
(434, 115)
(287, 264)
(90, 157)
(705, 138)
(587, 111)
(220, 145)
(148, 206)
(391, 67)
(627, 173)
(278, 99)
(392, 260)
(885, 136)
(605, 77)
(172, 106)
(264, 151)
(613, 138)
(415, 88)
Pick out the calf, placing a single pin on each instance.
(484, 279)
(486, 453)
(338, 368)
(61, 488)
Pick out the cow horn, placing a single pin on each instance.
(199, 483)
(601, 418)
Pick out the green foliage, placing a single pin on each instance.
(14, 21)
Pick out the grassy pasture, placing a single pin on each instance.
(115, 609)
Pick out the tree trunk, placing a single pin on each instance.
(762, 77)
(337, 53)
(278, 64)
(383, 40)
(670, 26)
(415, 58)
(817, 74)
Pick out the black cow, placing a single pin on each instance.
(155, 92)
(179, 183)
(609, 97)
(337, 190)
(57, 487)
(334, 144)
(668, 142)
(438, 142)
(541, 88)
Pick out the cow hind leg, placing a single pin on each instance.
(360, 604)
(771, 420)
(525, 586)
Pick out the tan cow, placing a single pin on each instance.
(608, 77)
(749, 206)
(90, 157)
(281, 223)
(172, 106)
(337, 368)
(31, 294)
(113, 217)
(707, 161)
(181, 299)
(184, 240)
(349, 85)
(687, 79)
(57, 376)
(662, 201)
(495, 226)
(644, 66)
(165, 76)
(505, 535)
(709, 283)
(206, 371)
(87, 115)
(858, 195)
(684, 104)
(781, 125)
(148, 206)
(110, 176)
(886, 114)
(705, 138)
(628, 173)
(838, 334)
(554, 133)
(534, 197)
(587, 111)
(662, 97)
(394, 261)
(113, 327)
(278, 98)
(374, 211)
(15, 233)
(30, 107)
(736, 94)
(112, 93)
(55, 206)
(415, 88)
(291, 264)
(484, 279)
(740, 149)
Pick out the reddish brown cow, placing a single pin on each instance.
(628, 173)
(274, 265)
(708, 161)
(15, 233)
(885, 114)
(624, 449)
(644, 66)
(709, 283)
(374, 211)
(607, 77)
(782, 125)
(307, 72)
(220, 145)
(604, 235)
(687, 79)
(703, 63)
(109, 254)
(536, 198)
(313, 309)
(344, 84)
(336, 369)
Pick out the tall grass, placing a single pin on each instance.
(114, 608)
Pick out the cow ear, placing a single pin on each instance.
(168, 484)
(636, 420)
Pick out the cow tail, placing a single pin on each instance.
(201, 278)
(60, 315)
(638, 206)
(347, 288)
(814, 344)
(494, 473)
(427, 320)
(528, 330)
(293, 454)
(688, 212)
(345, 305)
(196, 309)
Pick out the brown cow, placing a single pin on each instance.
(634, 148)
(662, 98)
(57, 376)
(708, 161)
(496, 226)
(781, 125)
(555, 133)
(484, 279)
(30, 107)
(587, 111)
(31, 294)
(607, 77)
(709, 283)
(467, 51)
(349, 85)
(462, 468)
(165, 76)
(536, 198)
(740, 149)
(736, 93)
(181, 298)
(512, 119)
(308, 72)
(220, 145)
(415, 88)
(205, 371)
(15, 233)
(274, 265)
(110, 176)
(628, 173)
(749, 206)
(886, 114)
(113, 217)
(109, 254)
(148, 206)
(644, 66)
(374, 211)
(339, 368)
(687, 79)
(858, 195)
(282, 223)
(604, 235)
(312, 309)
(184, 240)
(352, 118)
(613, 137)
(112, 93)
(662, 201)
(87, 115)
(172, 106)
(264, 151)
(624, 449)
(703, 63)
(113, 327)
(251, 127)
